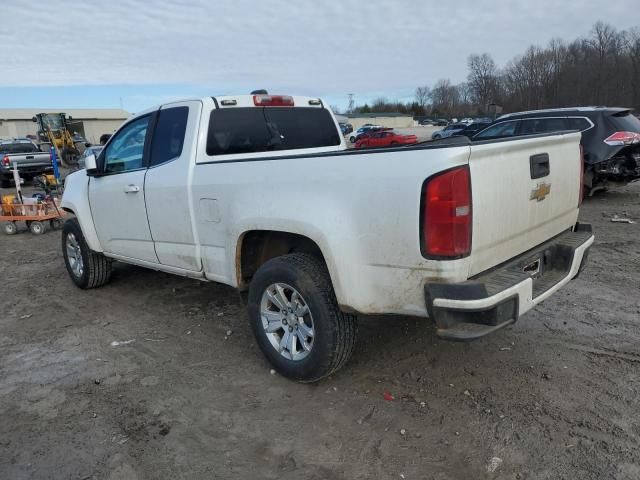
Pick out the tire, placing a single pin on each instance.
(94, 270)
(70, 156)
(55, 223)
(37, 228)
(334, 332)
(352, 139)
(10, 228)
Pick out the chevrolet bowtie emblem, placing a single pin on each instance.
(540, 192)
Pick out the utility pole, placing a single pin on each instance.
(351, 103)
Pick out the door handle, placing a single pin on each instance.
(131, 189)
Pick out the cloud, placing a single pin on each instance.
(314, 47)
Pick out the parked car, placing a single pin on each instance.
(346, 128)
(448, 131)
(384, 139)
(323, 234)
(474, 128)
(104, 138)
(30, 160)
(365, 129)
(610, 139)
(467, 121)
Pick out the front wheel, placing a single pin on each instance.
(87, 269)
(296, 320)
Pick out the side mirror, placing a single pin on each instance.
(91, 165)
(34, 119)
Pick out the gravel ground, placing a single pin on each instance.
(158, 377)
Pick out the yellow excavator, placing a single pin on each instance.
(53, 129)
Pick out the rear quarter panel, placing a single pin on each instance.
(362, 209)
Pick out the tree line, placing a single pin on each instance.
(602, 68)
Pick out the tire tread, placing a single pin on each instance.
(98, 267)
(346, 325)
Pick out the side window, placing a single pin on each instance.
(547, 125)
(542, 125)
(505, 129)
(168, 136)
(125, 151)
(581, 124)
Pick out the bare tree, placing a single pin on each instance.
(351, 105)
(483, 79)
(445, 97)
(422, 96)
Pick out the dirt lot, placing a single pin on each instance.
(186, 393)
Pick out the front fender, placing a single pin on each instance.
(76, 200)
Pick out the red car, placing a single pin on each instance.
(385, 139)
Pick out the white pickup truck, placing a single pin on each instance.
(260, 193)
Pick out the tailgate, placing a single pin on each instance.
(525, 191)
(36, 159)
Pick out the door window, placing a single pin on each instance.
(168, 136)
(125, 151)
(505, 129)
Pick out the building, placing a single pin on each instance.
(390, 120)
(89, 123)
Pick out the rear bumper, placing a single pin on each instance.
(28, 169)
(494, 299)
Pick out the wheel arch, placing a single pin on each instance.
(255, 247)
(76, 202)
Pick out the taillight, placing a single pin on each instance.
(446, 215)
(581, 175)
(5, 161)
(273, 101)
(623, 138)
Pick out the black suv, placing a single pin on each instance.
(610, 139)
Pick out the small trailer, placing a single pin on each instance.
(38, 216)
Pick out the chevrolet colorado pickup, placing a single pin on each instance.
(30, 160)
(260, 193)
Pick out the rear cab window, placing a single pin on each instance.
(246, 130)
(19, 147)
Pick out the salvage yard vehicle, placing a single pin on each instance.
(364, 130)
(610, 139)
(384, 138)
(31, 161)
(449, 131)
(259, 192)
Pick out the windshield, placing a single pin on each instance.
(53, 121)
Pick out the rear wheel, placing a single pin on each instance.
(55, 223)
(37, 228)
(10, 228)
(296, 319)
(87, 269)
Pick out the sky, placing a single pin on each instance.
(135, 54)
